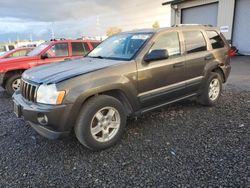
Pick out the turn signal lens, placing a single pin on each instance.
(60, 97)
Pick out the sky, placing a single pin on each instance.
(36, 19)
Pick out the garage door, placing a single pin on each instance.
(241, 38)
(205, 14)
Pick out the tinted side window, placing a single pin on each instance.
(194, 41)
(23, 52)
(77, 49)
(170, 42)
(58, 50)
(95, 44)
(215, 39)
(15, 54)
(11, 47)
(86, 48)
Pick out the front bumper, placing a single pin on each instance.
(57, 116)
(1, 79)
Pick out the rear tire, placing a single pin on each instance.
(101, 122)
(212, 90)
(13, 83)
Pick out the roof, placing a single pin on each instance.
(176, 27)
(141, 31)
(173, 2)
(71, 40)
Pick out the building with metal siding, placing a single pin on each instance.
(232, 17)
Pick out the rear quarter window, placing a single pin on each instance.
(215, 40)
(95, 44)
(194, 41)
(77, 49)
(86, 48)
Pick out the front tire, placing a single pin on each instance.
(101, 122)
(212, 91)
(13, 83)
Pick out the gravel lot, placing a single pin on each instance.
(182, 145)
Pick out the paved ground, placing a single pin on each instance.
(240, 75)
(183, 145)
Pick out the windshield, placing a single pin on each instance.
(3, 54)
(38, 49)
(123, 46)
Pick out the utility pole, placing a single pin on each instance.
(52, 31)
(98, 26)
(31, 38)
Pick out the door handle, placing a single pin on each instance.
(209, 57)
(178, 65)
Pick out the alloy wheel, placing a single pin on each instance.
(105, 124)
(214, 89)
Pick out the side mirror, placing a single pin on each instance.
(156, 55)
(44, 56)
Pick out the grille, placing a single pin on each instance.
(28, 91)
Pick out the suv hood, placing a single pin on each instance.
(57, 72)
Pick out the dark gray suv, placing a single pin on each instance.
(128, 74)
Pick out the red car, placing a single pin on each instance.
(11, 69)
(18, 52)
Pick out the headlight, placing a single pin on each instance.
(48, 94)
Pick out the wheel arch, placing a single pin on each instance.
(10, 73)
(214, 67)
(119, 94)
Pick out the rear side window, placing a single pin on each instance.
(215, 39)
(15, 54)
(24, 52)
(19, 53)
(86, 48)
(170, 42)
(78, 49)
(194, 41)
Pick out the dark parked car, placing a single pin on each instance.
(128, 74)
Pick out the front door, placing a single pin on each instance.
(162, 80)
(57, 52)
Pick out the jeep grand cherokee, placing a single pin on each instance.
(128, 74)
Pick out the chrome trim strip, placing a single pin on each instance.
(164, 104)
(170, 87)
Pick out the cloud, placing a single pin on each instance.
(75, 18)
(56, 10)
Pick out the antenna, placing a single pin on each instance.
(52, 31)
(31, 38)
(98, 25)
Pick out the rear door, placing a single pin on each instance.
(197, 55)
(162, 80)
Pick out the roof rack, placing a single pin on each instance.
(57, 39)
(184, 25)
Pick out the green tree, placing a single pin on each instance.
(156, 25)
(113, 30)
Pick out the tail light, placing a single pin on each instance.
(232, 52)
